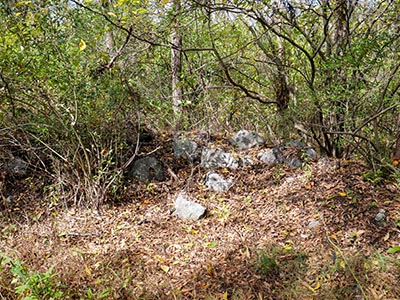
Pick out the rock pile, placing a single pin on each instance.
(196, 149)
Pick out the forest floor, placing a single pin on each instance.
(278, 233)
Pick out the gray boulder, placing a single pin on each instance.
(147, 169)
(295, 154)
(292, 153)
(293, 161)
(216, 182)
(18, 167)
(244, 139)
(245, 161)
(187, 209)
(310, 153)
(380, 215)
(313, 224)
(186, 148)
(270, 156)
(214, 158)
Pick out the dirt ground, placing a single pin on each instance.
(278, 233)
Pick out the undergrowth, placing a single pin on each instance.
(28, 284)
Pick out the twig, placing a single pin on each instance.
(126, 165)
(377, 115)
(48, 147)
(63, 234)
(151, 152)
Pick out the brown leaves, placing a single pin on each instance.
(140, 246)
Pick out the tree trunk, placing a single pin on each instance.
(282, 92)
(176, 61)
(280, 79)
(335, 120)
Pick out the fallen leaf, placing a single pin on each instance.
(288, 248)
(88, 270)
(386, 237)
(315, 288)
(191, 230)
(160, 258)
(189, 245)
(203, 286)
(225, 296)
(164, 268)
(210, 270)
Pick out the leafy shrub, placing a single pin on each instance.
(32, 285)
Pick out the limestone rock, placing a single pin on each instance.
(186, 209)
(380, 215)
(216, 182)
(245, 161)
(18, 167)
(292, 153)
(147, 169)
(293, 162)
(244, 139)
(186, 148)
(310, 153)
(214, 158)
(269, 156)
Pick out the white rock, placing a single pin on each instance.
(244, 139)
(381, 215)
(216, 182)
(187, 209)
(313, 224)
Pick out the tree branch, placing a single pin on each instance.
(129, 30)
(370, 119)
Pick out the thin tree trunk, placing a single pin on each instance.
(282, 86)
(176, 61)
(341, 39)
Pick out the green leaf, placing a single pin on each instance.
(211, 244)
(21, 289)
(104, 294)
(393, 250)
